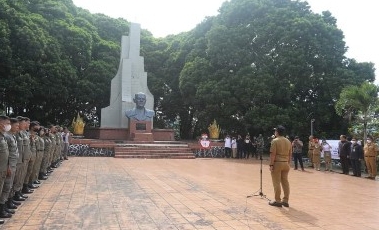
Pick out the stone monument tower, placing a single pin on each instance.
(130, 79)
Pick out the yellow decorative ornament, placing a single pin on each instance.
(78, 125)
(214, 130)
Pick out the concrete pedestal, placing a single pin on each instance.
(140, 131)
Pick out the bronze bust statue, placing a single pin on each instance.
(140, 113)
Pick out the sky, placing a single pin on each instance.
(163, 17)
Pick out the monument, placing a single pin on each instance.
(129, 116)
(130, 80)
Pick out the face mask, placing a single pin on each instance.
(353, 142)
(7, 128)
(369, 141)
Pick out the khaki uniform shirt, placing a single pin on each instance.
(370, 150)
(281, 147)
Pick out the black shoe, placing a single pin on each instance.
(66, 158)
(9, 210)
(33, 186)
(2, 221)
(3, 213)
(42, 177)
(27, 190)
(10, 205)
(276, 204)
(23, 196)
(15, 202)
(285, 204)
(18, 198)
(36, 182)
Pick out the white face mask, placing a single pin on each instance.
(369, 141)
(7, 128)
(353, 142)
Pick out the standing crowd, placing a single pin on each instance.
(351, 152)
(29, 152)
(241, 148)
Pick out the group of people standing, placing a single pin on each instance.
(28, 153)
(242, 148)
(350, 151)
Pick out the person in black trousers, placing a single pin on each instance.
(240, 147)
(344, 149)
(248, 147)
(297, 149)
(356, 156)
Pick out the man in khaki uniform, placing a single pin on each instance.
(370, 153)
(280, 159)
(311, 146)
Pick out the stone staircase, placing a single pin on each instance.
(154, 150)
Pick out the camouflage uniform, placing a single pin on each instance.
(260, 145)
(57, 152)
(12, 159)
(46, 156)
(18, 179)
(4, 154)
(40, 146)
(32, 159)
(52, 149)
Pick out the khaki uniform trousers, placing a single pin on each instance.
(310, 156)
(328, 160)
(371, 165)
(280, 179)
(316, 160)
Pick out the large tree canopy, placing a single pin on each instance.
(254, 65)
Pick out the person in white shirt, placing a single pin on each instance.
(327, 149)
(234, 147)
(66, 142)
(228, 146)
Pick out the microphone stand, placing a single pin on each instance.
(259, 192)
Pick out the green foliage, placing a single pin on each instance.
(359, 104)
(253, 66)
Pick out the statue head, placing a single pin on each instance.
(140, 100)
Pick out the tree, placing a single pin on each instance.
(359, 103)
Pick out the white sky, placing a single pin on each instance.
(162, 17)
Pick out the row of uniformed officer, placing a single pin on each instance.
(28, 152)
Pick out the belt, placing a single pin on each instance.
(370, 156)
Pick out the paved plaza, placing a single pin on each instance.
(107, 193)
